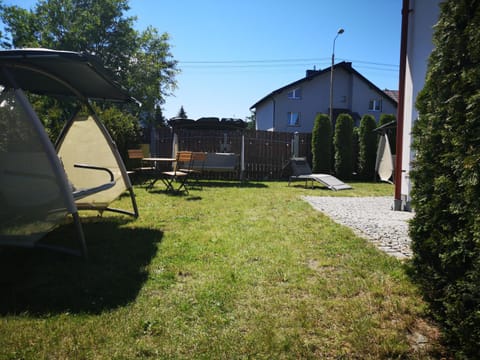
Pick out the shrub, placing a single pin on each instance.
(391, 133)
(367, 140)
(123, 127)
(343, 144)
(446, 178)
(322, 144)
(355, 149)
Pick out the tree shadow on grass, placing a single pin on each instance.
(198, 186)
(317, 187)
(230, 184)
(42, 282)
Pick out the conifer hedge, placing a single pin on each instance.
(445, 231)
(322, 144)
(343, 145)
(391, 133)
(367, 147)
(355, 150)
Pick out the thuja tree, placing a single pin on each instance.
(367, 140)
(355, 149)
(343, 144)
(322, 144)
(392, 133)
(446, 178)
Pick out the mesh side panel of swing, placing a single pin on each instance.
(31, 202)
(85, 143)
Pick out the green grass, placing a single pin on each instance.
(227, 272)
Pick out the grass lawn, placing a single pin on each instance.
(227, 272)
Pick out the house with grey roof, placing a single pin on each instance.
(293, 108)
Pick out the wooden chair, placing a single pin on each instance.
(135, 156)
(183, 161)
(196, 167)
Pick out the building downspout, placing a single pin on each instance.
(397, 205)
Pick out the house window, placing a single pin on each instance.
(293, 119)
(295, 94)
(375, 105)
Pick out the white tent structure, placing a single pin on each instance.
(384, 161)
(41, 184)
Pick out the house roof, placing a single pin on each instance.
(312, 74)
(392, 93)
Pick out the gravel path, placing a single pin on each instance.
(371, 218)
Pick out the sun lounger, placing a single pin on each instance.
(302, 171)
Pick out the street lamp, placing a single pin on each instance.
(340, 31)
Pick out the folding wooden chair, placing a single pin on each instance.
(136, 156)
(169, 178)
(196, 166)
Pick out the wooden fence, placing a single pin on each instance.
(266, 152)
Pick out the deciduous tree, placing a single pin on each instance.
(140, 61)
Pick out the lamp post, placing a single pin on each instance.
(340, 31)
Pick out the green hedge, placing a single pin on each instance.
(343, 145)
(356, 150)
(322, 144)
(391, 133)
(445, 231)
(367, 140)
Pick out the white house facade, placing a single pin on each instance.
(293, 108)
(418, 19)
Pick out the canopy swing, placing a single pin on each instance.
(41, 184)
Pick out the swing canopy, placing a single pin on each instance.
(41, 183)
(60, 73)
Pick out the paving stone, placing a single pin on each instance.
(371, 218)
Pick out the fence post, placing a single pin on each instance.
(242, 158)
(296, 144)
(174, 145)
(153, 141)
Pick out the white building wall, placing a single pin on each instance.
(264, 116)
(351, 93)
(423, 16)
(314, 99)
(363, 93)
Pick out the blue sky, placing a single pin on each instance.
(233, 53)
